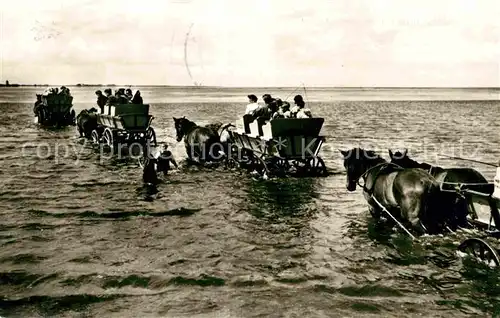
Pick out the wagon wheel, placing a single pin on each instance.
(151, 137)
(42, 115)
(481, 250)
(259, 164)
(109, 138)
(301, 166)
(95, 137)
(279, 166)
(316, 166)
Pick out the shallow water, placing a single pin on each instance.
(80, 236)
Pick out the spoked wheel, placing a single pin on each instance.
(316, 166)
(481, 250)
(279, 166)
(95, 137)
(151, 137)
(42, 115)
(259, 165)
(301, 167)
(109, 139)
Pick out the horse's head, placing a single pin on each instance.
(401, 159)
(182, 127)
(356, 162)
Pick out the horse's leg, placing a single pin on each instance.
(375, 211)
(411, 207)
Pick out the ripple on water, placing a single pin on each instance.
(80, 236)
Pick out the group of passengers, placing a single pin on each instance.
(276, 108)
(51, 91)
(121, 96)
(57, 91)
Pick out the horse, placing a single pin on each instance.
(202, 143)
(86, 121)
(411, 195)
(449, 179)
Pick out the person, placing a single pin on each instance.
(149, 175)
(101, 100)
(253, 105)
(128, 94)
(137, 99)
(264, 111)
(120, 95)
(299, 110)
(110, 99)
(165, 159)
(283, 109)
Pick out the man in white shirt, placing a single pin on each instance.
(252, 99)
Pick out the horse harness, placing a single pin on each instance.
(382, 170)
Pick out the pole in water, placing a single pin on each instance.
(395, 220)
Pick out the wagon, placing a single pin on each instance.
(124, 125)
(279, 147)
(55, 110)
(484, 211)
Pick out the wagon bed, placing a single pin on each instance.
(56, 109)
(125, 123)
(280, 146)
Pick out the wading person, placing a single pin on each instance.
(164, 161)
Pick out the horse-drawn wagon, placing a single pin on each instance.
(54, 109)
(484, 212)
(279, 147)
(124, 124)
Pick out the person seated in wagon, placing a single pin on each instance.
(299, 110)
(283, 109)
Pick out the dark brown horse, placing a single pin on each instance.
(410, 195)
(449, 179)
(202, 143)
(86, 121)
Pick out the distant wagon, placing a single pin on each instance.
(54, 109)
(124, 124)
(280, 146)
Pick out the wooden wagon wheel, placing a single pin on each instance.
(95, 137)
(481, 250)
(109, 138)
(279, 166)
(151, 137)
(316, 166)
(42, 115)
(259, 164)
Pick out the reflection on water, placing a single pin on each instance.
(277, 198)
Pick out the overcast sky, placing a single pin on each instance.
(252, 42)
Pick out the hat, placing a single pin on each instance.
(298, 98)
(107, 90)
(252, 97)
(98, 92)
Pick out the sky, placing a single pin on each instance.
(372, 43)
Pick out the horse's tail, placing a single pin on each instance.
(434, 212)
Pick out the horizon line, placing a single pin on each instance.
(287, 87)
